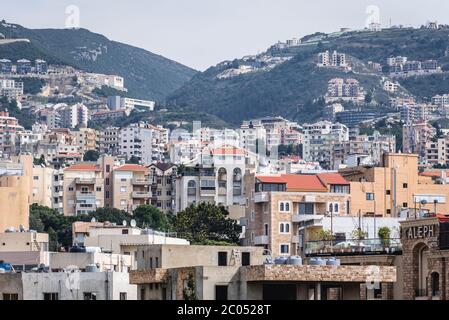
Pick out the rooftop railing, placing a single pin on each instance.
(354, 247)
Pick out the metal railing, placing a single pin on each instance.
(354, 247)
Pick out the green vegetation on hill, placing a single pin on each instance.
(147, 75)
(25, 118)
(291, 89)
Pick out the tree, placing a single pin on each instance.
(92, 155)
(39, 161)
(133, 160)
(384, 234)
(151, 217)
(206, 223)
(109, 214)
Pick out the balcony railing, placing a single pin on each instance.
(85, 181)
(261, 240)
(141, 195)
(81, 194)
(141, 182)
(354, 247)
(261, 197)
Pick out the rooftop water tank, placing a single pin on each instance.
(281, 260)
(92, 268)
(2, 271)
(93, 250)
(317, 262)
(295, 261)
(333, 262)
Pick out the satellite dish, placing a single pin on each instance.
(125, 223)
(93, 220)
(133, 223)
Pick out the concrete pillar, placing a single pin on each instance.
(363, 291)
(387, 291)
(318, 291)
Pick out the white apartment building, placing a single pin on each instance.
(11, 89)
(144, 141)
(253, 136)
(390, 86)
(9, 130)
(109, 141)
(336, 59)
(319, 141)
(441, 101)
(73, 116)
(218, 179)
(121, 103)
(416, 137)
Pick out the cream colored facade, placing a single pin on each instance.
(87, 139)
(42, 186)
(130, 187)
(282, 221)
(23, 242)
(394, 187)
(15, 192)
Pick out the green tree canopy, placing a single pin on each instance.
(151, 217)
(91, 155)
(206, 223)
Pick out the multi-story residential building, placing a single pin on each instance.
(437, 152)
(336, 59)
(415, 113)
(109, 141)
(23, 66)
(41, 66)
(15, 192)
(282, 207)
(253, 136)
(73, 116)
(83, 189)
(395, 188)
(9, 130)
(11, 89)
(120, 103)
(144, 141)
(373, 147)
(109, 115)
(162, 177)
(353, 118)
(185, 151)
(331, 111)
(319, 141)
(131, 187)
(346, 90)
(43, 187)
(396, 60)
(86, 139)
(5, 66)
(390, 86)
(441, 101)
(416, 137)
(217, 178)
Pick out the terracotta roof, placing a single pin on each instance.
(332, 178)
(83, 167)
(433, 174)
(131, 167)
(296, 182)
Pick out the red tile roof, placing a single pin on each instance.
(83, 167)
(433, 174)
(131, 167)
(227, 151)
(332, 178)
(296, 182)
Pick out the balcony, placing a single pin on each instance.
(85, 181)
(222, 191)
(261, 240)
(301, 218)
(261, 197)
(85, 194)
(141, 182)
(209, 192)
(141, 195)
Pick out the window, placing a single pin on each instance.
(70, 188)
(253, 216)
(284, 228)
(405, 205)
(122, 189)
(36, 178)
(123, 296)
(266, 229)
(51, 296)
(246, 259)
(125, 231)
(191, 188)
(370, 196)
(221, 293)
(157, 262)
(336, 208)
(142, 294)
(405, 185)
(90, 296)
(284, 206)
(306, 208)
(11, 296)
(285, 249)
(388, 192)
(151, 263)
(98, 189)
(222, 259)
(108, 168)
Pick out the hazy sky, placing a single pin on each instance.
(201, 33)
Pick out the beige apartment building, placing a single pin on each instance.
(23, 242)
(162, 177)
(87, 139)
(83, 189)
(396, 188)
(15, 192)
(43, 186)
(130, 187)
(283, 211)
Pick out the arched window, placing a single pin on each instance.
(222, 178)
(282, 207)
(287, 207)
(336, 208)
(191, 188)
(237, 181)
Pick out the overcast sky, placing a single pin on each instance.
(201, 33)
